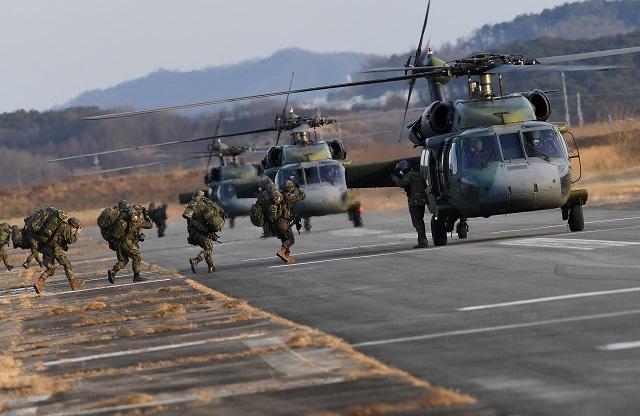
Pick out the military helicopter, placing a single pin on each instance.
(492, 153)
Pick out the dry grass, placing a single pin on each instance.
(233, 303)
(2, 314)
(95, 306)
(61, 310)
(242, 316)
(18, 384)
(127, 333)
(166, 310)
(438, 398)
(165, 328)
(135, 398)
(299, 340)
(171, 289)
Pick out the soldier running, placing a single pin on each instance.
(126, 247)
(204, 219)
(280, 217)
(54, 250)
(5, 236)
(414, 185)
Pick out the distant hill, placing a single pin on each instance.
(164, 87)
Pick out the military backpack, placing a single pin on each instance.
(256, 215)
(44, 223)
(112, 225)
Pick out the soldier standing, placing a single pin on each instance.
(415, 186)
(204, 219)
(126, 247)
(264, 200)
(159, 217)
(54, 250)
(280, 217)
(5, 236)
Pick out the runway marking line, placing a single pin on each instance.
(549, 299)
(564, 225)
(107, 287)
(496, 328)
(568, 243)
(149, 349)
(327, 251)
(617, 346)
(364, 256)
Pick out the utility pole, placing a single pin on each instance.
(580, 116)
(567, 119)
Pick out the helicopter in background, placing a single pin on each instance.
(492, 153)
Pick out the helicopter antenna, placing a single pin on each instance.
(284, 110)
(417, 62)
(213, 141)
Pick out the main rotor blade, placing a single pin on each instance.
(253, 97)
(417, 60)
(377, 114)
(401, 68)
(148, 146)
(284, 110)
(587, 55)
(406, 108)
(141, 165)
(503, 69)
(372, 133)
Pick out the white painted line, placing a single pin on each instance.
(106, 287)
(550, 299)
(366, 256)
(149, 349)
(357, 232)
(563, 225)
(125, 407)
(327, 251)
(496, 328)
(617, 346)
(568, 243)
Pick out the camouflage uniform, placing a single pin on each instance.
(54, 251)
(414, 185)
(5, 236)
(200, 234)
(159, 217)
(127, 247)
(34, 255)
(280, 216)
(264, 200)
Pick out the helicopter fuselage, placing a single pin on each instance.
(499, 169)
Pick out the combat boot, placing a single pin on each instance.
(212, 269)
(282, 253)
(422, 244)
(25, 265)
(9, 267)
(39, 285)
(76, 284)
(194, 264)
(111, 276)
(137, 278)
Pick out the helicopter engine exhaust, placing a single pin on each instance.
(274, 157)
(540, 103)
(436, 119)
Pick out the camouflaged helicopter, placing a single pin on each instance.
(492, 153)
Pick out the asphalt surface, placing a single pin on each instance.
(526, 316)
(171, 346)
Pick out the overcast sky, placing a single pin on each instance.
(51, 50)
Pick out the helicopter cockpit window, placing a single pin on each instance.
(542, 143)
(331, 174)
(227, 190)
(312, 175)
(238, 172)
(294, 174)
(477, 152)
(511, 146)
(306, 153)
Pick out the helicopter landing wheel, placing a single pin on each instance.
(307, 224)
(576, 218)
(355, 215)
(438, 230)
(462, 229)
(232, 222)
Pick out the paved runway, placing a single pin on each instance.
(524, 315)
